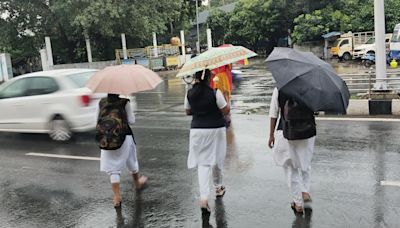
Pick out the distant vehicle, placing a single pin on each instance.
(54, 102)
(369, 47)
(344, 46)
(395, 44)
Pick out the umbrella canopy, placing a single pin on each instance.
(214, 58)
(308, 79)
(123, 79)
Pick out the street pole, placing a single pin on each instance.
(88, 48)
(123, 41)
(379, 15)
(50, 62)
(155, 45)
(183, 46)
(209, 39)
(197, 24)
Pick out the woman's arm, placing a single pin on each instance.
(222, 103)
(129, 113)
(273, 114)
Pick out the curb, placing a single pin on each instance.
(373, 107)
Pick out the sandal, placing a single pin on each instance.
(307, 202)
(205, 216)
(296, 209)
(220, 191)
(117, 203)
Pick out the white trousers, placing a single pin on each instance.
(298, 182)
(204, 173)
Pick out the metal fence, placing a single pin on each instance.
(363, 83)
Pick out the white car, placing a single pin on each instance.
(54, 102)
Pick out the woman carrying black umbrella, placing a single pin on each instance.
(293, 148)
(207, 147)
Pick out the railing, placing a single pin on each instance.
(363, 83)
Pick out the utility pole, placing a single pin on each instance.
(379, 15)
(197, 24)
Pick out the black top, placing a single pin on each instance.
(205, 111)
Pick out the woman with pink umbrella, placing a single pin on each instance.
(114, 135)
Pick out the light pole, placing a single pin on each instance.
(197, 24)
(379, 15)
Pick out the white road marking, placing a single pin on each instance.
(359, 119)
(64, 156)
(390, 183)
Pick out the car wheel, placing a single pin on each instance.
(346, 56)
(60, 130)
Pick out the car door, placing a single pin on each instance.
(11, 96)
(40, 97)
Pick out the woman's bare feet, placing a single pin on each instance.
(297, 208)
(139, 181)
(306, 196)
(204, 204)
(117, 201)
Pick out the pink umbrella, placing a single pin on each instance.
(123, 79)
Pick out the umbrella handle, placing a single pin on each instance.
(185, 79)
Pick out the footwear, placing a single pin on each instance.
(296, 208)
(220, 191)
(307, 202)
(205, 216)
(118, 205)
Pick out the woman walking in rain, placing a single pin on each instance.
(293, 154)
(115, 138)
(207, 147)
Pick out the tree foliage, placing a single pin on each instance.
(343, 16)
(253, 23)
(25, 23)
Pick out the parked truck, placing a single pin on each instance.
(395, 44)
(344, 46)
(369, 47)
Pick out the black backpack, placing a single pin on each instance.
(298, 121)
(112, 124)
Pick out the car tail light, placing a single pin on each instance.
(85, 100)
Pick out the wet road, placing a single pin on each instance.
(350, 161)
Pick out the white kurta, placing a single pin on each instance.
(207, 146)
(125, 156)
(298, 153)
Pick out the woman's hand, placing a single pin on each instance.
(271, 141)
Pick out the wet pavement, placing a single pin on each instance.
(350, 161)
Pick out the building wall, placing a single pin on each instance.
(93, 65)
(315, 47)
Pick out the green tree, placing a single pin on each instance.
(344, 16)
(218, 22)
(67, 23)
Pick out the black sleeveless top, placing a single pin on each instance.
(205, 111)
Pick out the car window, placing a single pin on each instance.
(42, 85)
(79, 80)
(344, 42)
(370, 41)
(15, 89)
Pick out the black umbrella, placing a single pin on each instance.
(308, 79)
